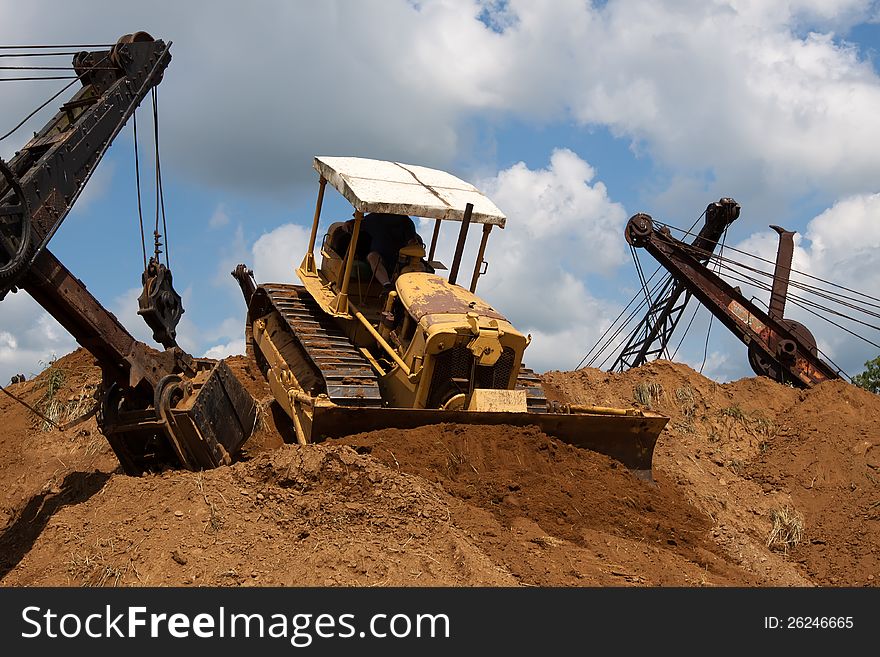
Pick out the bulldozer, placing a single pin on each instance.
(347, 352)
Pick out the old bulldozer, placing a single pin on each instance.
(346, 352)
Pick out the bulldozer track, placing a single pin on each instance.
(536, 400)
(348, 378)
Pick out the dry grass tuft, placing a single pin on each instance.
(736, 413)
(787, 530)
(648, 394)
(261, 418)
(93, 570)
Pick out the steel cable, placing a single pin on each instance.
(635, 313)
(791, 270)
(65, 88)
(617, 319)
(137, 177)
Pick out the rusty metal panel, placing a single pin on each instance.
(770, 340)
(428, 294)
(217, 420)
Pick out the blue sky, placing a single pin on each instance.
(571, 116)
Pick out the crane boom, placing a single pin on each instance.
(653, 333)
(779, 348)
(158, 408)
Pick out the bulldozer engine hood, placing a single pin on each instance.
(449, 314)
(427, 295)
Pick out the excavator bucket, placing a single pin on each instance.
(195, 423)
(627, 435)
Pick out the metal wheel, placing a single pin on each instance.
(763, 366)
(15, 228)
(118, 56)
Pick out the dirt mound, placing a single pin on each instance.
(37, 459)
(826, 455)
(524, 478)
(747, 450)
(739, 464)
(322, 515)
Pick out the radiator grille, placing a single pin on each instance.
(452, 373)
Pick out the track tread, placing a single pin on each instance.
(349, 380)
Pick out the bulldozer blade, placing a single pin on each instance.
(629, 439)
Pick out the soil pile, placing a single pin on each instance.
(755, 484)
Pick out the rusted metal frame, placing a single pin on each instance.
(342, 298)
(48, 180)
(173, 432)
(125, 360)
(459, 246)
(309, 263)
(781, 273)
(56, 164)
(663, 316)
(719, 215)
(658, 319)
(718, 296)
(487, 228)
(434, 238)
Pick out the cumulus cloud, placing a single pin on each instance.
(278, 253)
(233, 348)
(721, 87)
(762, 96)
(760, 100)
(30, 338)
(561, 227)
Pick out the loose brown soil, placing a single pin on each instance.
(459, 505)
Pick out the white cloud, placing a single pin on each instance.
(30, 337)
(278, 253)
(756, 99)
(561, 227)
(762, 95)
(219, 218)
(229, 349)
(706, 86)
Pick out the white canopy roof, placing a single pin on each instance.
(379, 186)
